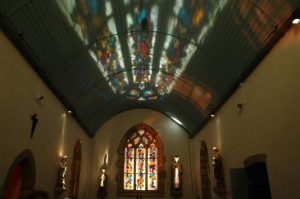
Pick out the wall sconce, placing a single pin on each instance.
(176, 177)
(61, 178)
(296, 16)
(212, 114)
(241, 105)
(296, 21)
(211, 111)
(40, 98)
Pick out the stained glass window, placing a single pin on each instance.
(142, 161)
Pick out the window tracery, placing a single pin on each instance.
(140, 163)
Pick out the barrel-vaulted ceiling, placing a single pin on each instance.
(183, 58)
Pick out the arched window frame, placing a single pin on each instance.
(160, 164)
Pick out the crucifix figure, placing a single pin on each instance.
(34, 120)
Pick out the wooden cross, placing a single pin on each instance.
(34, 120)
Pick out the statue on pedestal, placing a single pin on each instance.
(61, 180)
(102, 181)
(218, 172)
(176, 177)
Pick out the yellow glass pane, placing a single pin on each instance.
(152, 181)
(128, 181)
(140, 182)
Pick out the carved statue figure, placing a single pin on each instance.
(177, 171)
(102, 179)
(61, 181)
(218, 168)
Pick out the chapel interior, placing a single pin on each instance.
(183, 99)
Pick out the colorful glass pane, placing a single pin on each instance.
(152, 181)
(145, 140)
(140, 159)
(152, 165)
(141, 132)
(133, 136)
(136, 140)
(152, 152)
(140, 162)
(128, 181)
(129, 165)
(150, 137)
(140, 165)
(140, 152)
(129, 151)
(140, 181)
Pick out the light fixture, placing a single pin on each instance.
(70, 112)
(296, 20)
(40, 98)
(211, 111)
(296, 16)
(241, 104)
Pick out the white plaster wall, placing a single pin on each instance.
(55, 134)
(107, 140)
(269, 122)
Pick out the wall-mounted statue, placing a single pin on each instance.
(102, 180)
(176, 177)
(61, 179)
(218, 172)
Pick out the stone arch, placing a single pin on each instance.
(131, 134)
(25, 161)
(254, 159)
(257, 177)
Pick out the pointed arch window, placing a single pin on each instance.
(140, 163)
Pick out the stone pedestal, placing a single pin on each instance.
(176, 193)
(221, 191)
(101, 193)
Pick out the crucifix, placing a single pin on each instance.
(34, 120)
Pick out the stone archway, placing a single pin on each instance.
(257, 177)
(23, 171)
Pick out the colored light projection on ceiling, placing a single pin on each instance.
(160, 42)
(141, 21)
(94, 23)
(251, 28)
